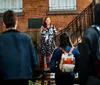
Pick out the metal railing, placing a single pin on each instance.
(77, 27)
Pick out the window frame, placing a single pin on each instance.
(59, 5)
(62, 11)
(17, 8)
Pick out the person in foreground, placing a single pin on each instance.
(89, 67)
(63, 78)
(18, 57)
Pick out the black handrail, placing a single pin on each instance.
(77, 27)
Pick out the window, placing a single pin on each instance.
(35, 22)
(15, 5)
(61, 5)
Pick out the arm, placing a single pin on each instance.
(55, 30)
(42, 29)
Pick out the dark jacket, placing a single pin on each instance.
(56, 57)
(88, 55)
(17, 55)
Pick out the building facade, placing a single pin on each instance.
(61, 13)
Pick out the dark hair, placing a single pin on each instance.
(9, 19)
(44, 23)
(65, 40)
(97, 13)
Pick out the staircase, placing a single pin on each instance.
(77, 26)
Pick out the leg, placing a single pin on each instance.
(42, 60)
(48, 58)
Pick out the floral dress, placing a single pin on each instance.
(47, 40)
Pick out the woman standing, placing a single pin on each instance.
(48, 32)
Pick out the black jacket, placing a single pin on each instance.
(88, 55)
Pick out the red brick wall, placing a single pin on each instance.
(39, 8)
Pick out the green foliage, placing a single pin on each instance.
(34, 83)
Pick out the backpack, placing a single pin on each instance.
(97, 61)
(67, 62)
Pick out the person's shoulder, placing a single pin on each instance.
(68, 48)
(57, 50)
(90, 30)
(25, 35)
(75, 50)
(90, 33)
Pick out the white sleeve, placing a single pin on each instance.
(55, 29)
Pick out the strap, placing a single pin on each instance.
(71, 50)
(62, 50)
(66, 51)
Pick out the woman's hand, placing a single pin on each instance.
(43, 29)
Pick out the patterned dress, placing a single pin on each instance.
(47, 40)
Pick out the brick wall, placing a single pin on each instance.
(39, 8)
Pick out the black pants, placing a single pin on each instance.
(14, 82)
(63, 78)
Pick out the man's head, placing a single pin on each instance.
(9, 19)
